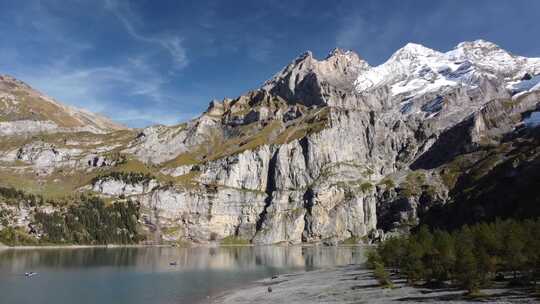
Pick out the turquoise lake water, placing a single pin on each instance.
(144, 275)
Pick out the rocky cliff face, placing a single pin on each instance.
(326, 151)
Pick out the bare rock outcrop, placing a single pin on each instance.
(326, 151)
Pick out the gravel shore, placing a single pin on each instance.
(354, 284)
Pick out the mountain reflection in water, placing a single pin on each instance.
(140, 275)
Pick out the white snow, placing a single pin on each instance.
(421, 86)
(415, 69)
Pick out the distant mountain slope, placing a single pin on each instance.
(24, 110)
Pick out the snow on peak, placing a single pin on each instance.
(479, 51)
(413, 70)
(417, 69)
(480, 43)
(414, 50)
(411, 67)
(491, 58)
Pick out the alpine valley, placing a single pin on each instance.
(327, 151)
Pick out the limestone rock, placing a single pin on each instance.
(325, 151)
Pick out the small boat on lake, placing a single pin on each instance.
(30, 274)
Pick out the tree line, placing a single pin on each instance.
(471, 257)
(11, 195)
(91, 222)
(132, 178)
(88, 221)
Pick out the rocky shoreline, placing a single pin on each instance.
(355, 284)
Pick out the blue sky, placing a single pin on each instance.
(144, 62)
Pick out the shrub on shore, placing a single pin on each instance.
(382, 276)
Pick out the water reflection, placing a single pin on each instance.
(157, 259)
(142, 275)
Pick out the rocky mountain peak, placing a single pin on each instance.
(326, 151)
(417, 69)
(342, 53)
(304, 55)
(491, 58)
(300, 61)
(480, 51)
(303, 79)
(478, 44)
(338, 52)
(413, 61)
(347, 61)
(9, 82)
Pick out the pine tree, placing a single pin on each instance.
(413, 266)
(444, 256)
(513, 248)
(466, 269)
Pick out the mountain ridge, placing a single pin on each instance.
(20, 102)
(325, 151)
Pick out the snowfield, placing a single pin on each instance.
(415, 69)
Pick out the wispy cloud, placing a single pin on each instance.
(261, 50)
(161, 61)
(97, 89)
(370, 37)
(172, 44)
(140, 118)
(378, 28)
(132, 89)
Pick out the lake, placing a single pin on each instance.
(144, 274)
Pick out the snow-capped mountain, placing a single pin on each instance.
(325, 151)
(415, 69)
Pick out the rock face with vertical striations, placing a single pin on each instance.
(326, 151)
